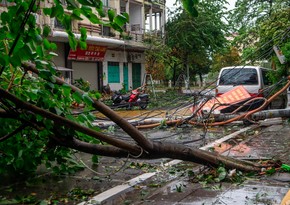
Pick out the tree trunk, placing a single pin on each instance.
(144, 148)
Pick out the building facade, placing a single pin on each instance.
(109, 59)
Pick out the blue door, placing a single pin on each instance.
(125, 76)
(136, 75)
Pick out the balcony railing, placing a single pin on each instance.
(136, 34)
(161, 2)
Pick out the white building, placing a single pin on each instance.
(109, 59)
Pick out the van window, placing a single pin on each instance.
(243, 76)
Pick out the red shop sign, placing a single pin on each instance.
(92, 53)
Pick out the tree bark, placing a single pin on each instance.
(144, 149)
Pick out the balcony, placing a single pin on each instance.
(161, 2)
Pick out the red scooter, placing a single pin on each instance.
(137, 97)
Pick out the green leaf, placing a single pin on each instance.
(19, 163)
(57, 11)
(222, 173)
(46, 31)
(94, 19)
(95, 159)
(20, 153)
(47, 11)
(77, 14)
(111, 15)
(126, 15)
(46, 44)
(72, 3)
(66, 90)
(188, 5)
(120, 20)
(53, 46)
(87, 99)
(77, 97)
(72, 41)
(67, 22)
(39, 51)
(26, 53)
(82, 118)
(91, 117)
(83, 31)
(4, 60)
(45, 74)
(285, 167)
(15, 60)
(98, 95)
(86, 2)
(83, 45)
(39, 118)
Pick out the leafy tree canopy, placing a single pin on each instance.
(195, 40)
(260, 25)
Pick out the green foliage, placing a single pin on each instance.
(82, 84)
(189, 6)
(28, 139)
(194, 40)
(227, 57)
(261, 25)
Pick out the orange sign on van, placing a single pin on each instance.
(233, 96)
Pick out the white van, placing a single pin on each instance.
(253, 78)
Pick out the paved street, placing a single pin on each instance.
(165, 181)
(264, 143)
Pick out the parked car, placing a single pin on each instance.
(254, 79)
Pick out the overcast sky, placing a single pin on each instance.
(169, 4)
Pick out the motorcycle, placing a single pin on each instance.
(137, 97)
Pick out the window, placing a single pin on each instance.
(243, 76)
(106, 31)
(113, 72)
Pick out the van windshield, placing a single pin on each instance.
(243, 76)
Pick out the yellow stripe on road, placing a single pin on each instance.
(286, 199)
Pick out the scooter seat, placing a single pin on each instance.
(125, 97)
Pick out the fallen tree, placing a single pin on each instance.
(143, 148)
(36, 119)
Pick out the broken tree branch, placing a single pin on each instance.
(20, 128)
(127, 127)
(65, 122)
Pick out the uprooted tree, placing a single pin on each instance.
(36, 119)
